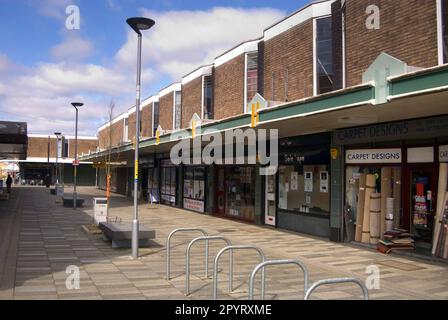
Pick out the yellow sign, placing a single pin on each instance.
(136, 169)
(334, 153)
(157, 137)
(255, 116)
(193, 129)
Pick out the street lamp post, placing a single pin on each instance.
(137, 24)
(58, 137)
(76, 105)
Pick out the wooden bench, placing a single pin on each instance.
(68, 202)
(121, 235)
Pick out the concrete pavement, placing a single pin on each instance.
(40, 239)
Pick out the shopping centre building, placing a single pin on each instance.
(358, 92)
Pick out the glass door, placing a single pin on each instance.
(422, 205)
(271, 205)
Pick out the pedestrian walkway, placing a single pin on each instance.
(40, 238)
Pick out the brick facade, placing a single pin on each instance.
(131, 126)
(166, 111)
(38, 147)
(191, 101)
(229, 88)
(288, 64)
(146, 128)
(117, 135)
(408, 31)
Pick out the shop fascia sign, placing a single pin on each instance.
(370, 156)
(443, 153)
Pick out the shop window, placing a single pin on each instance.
(194, 188)
(324, 81)
(208, 97)
(156, 117)
(304, 188)
(65, 148)
(237, 186)
(251, 75)
(357, 185)
(177, 110)
(168, 185)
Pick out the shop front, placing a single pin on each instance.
(303, 185)
(235, 192)
(194, 188)
(168, 183)
(396, 181)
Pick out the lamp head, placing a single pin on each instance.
(139, 23)
(77, 104)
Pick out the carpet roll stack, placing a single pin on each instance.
(360, 207)
(390, 205)
(370, 188)
(397, 197)
(386, 192)
(441, 198)
(375, 218)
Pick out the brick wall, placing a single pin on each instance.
(229, 88)
(191, 101)
(83, 146)
(289, 56)
(146, 129)
(117, 135)
(38, 147)
(166, 111)
(131, 126)
(408, 31)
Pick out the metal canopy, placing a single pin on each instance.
(13, 140)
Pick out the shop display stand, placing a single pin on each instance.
(386, 192)
(370, 188)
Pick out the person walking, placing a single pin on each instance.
(9, 183)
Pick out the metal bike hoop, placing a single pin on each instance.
(263, 265)
(168, 248)
(231, 249)
(187, 263)
(365, 291)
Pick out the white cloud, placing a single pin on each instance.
(5, 64)
(73, 48)
(184, 40)
(180, 42)
(52, 8)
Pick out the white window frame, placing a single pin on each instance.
(245, 77)
(174, 110)
(440, 32)
(202, 101)
(315, 52)
(125, 130)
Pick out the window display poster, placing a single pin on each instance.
(294, 181)
(308, 181)
(324, 181)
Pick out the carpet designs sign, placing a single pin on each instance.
(368, 156)
(443, 153)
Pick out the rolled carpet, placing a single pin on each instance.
(360, 207)
(370, 188)
(386, 192)
(397, 197)
(375, 218)
(441, 192)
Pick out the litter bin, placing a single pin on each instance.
(59, 190)
(100, 210)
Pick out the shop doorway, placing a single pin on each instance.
(420, 201)
(271, 203)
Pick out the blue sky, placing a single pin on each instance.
(44, 66)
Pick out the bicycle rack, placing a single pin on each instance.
(365, 291)
(231, 249)
(168, 249)
(263, 265)
(187, 264)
